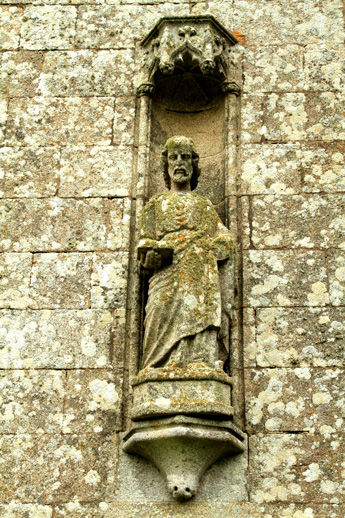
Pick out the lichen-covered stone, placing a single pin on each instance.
(308, 221)
(294, 337)
(47, 121)
(63, 225)
(109, 280)
(48, 27)
(278, 399)
(288, 21)
(323, 167)
(15, 271)
(119, 220)
(285, 278)
(223, 483)
(286, 117)
(20, 72)
(196, 509)
(87, 73)
(252, 128)
(31, 401)
(92, 403)
(325, 66)
(296, 468)
(57, 339)
(299, 116)
(16, 510)
(325, 116)
(96, 171)
(271, 169)
(336, 263)
(29, 172)
(106, 26)
(3, 117)
(10, 21)
(278, 68)
(123, 128)
(55, 468)
(61, 281)
(146, 509)
(328, 397)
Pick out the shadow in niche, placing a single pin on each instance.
(192, 104)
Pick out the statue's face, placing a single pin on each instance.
(180, 164)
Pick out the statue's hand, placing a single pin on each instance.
(151, 260)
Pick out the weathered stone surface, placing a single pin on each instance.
(299, 116)
(61, 281)
(28, 173)
(268, 69)
(46, 121)
(10, 21)
(325, 116)
(144, 509)
(31, 401)
(336, 263)
(109, 280)
(119, 219)
(296, 468)
(308, 221)
(15, 510)
(325, 66)
(15, 271)
(96, 171)
(92, 403)
(87, 73)
(288, 21)
(3, 117)
(328, 396)
(285, 278)
(48, 27)
(271, 169)
(20, 72)
(224, 482)
(252, 117)
(278, 399)
(123, 127)
(285, 117)
(288, 337)
(67, 225)
(323, 167)
(55, 468)
(57, 339)
(105, 27)
(195, 509)
(307, 510)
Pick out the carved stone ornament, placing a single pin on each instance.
(181, 411)
(187, 44)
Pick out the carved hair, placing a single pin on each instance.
(173, 141)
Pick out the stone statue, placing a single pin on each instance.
(181, 240)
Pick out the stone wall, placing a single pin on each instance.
(68, 145)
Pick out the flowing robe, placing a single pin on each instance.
(184, 297)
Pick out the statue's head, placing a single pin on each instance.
(185, 147)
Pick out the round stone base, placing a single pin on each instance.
(193, 390)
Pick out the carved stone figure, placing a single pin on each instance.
(181, 241)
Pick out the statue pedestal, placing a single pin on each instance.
(183, 447)
(182, 423)
(193, 390)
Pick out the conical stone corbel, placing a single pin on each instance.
(183, 448)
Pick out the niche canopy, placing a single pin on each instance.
(185, 46)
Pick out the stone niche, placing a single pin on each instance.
(182, 418)
(190, 69)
